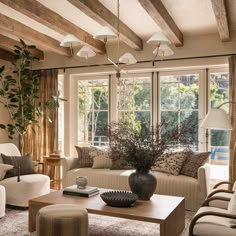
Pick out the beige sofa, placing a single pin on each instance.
(193, 190)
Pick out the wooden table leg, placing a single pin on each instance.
(175, 223)
(33, 210)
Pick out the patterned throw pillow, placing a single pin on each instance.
(100, 151)
(84, 159)
(24, 162)
(119, 163)
(193, 162)
(101, 157)
(171, 164)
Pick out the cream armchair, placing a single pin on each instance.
(210, 221)
(219, 193)
(29, 186)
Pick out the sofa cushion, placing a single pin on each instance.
(3, 170)
(100, 162)
(24, 162)
(100, 151)
(101, 157)
(193, 162)
(84, 159)
(170, 163)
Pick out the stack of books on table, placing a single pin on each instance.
(89, 191)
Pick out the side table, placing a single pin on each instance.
(52, 168)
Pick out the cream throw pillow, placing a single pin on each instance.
(232, 207)
(102, 162)
(3, 170)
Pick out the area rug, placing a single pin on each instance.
(15, 223)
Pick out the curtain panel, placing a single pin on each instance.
(44, 140)
(232, 108)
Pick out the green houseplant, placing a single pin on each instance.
(141, 146)
(19, 93)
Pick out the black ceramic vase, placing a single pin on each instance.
(143, 184)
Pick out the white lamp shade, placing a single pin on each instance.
(128, 59)
(163, 51)
(86, 52)
(70, 40)
(158, 38)
(216, 119)
(105, 33)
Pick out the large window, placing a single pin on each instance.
(93, 110)
(179, 101)
(175, 98)
(134, 99)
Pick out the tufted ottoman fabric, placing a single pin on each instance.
(62, 220)
(2, 201)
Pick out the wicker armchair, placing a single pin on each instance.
(212, 221)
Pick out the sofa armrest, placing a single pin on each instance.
(68, 163)
(204, 180)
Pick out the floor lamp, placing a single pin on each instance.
(217, 119)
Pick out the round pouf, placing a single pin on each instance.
(62, 220)
(2, 201)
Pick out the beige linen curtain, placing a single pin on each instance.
(45, 139)
(232, 98)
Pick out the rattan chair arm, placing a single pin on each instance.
(212, 213)
(221, 183)
(219, 191)
(206, 202)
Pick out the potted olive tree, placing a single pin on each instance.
(19, 93)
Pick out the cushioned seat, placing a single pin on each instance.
(30, 186)
(210, 225)
(2, 201)
(62, 220)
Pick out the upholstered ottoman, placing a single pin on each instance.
(62, 220)
(2, 201)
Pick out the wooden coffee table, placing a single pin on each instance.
(168, 211)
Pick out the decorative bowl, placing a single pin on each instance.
(119, 198)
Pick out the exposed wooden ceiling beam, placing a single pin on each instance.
(9, 43)
(6, 56)
(219, 8)
(95, 10)
(26, 33)
(160, 15)
(51, 19)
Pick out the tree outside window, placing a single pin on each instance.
(179, 102)
(134, 100)
(93, 104)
